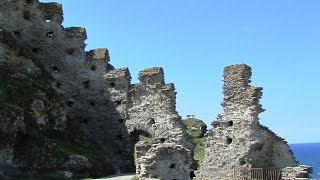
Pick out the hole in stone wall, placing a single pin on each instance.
(119, 137)
(172, 166)
(135, 137)
(55, 68)
(242, 162)
(117, 103)
(70, 103)
(92, 103)
(50, 34)
(17, 33)
(47, 19)
(85, 121)
(27, 15)
(112, 84)
(119, 152)
(86, 84)
(191, 174)
(35, 50)
(230, 123)
(260, 147)
(121, 121)
(229, 140)
(70, 51)
(152, 121)
(162, 140)
(29, 1)
(93, 67)
(58, 84)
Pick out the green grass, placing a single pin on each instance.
(135, 178)
(195, 133)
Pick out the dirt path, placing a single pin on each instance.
(118, 177)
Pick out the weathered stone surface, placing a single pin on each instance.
(296, 172)
(99, 100)
(172, 159)
(149, 108)
(78, 163)
(40, 112)
(100, 104)
(238, 139)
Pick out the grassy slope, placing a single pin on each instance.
(199, 150)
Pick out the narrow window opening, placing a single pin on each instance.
(230, 123)
(26, 15)
(162, 140)
(70, 103)
(172, 166)
(92, 103)
(35, 50)
(93, 68)
(70, 51)
(112, 84)
(85, 121)
(229, 140)
(50, 34)
(121, 121)
(86, 84)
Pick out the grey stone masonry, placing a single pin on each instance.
(148, 108)
(238, 139)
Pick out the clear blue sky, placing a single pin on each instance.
(194, 40)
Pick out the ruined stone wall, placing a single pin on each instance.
(237, 139)
(99, 100)
(78, 75)
(149, 108)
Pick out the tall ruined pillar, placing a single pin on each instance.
(237, 139)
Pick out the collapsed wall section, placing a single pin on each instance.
(148, 108)
(237, 139)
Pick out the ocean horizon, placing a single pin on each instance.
(308, 154)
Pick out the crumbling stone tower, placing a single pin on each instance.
(238, 139)
(149, 108)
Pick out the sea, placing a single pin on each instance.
(308, 154)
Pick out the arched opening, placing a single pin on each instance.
(139, 142)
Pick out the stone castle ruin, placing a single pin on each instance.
(237, 139)
(82, 95)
